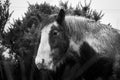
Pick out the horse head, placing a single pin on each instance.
(53, 44)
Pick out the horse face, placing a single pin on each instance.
(53, 45)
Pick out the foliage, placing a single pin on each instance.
(4, 18)
(4, 15)
(81, 10)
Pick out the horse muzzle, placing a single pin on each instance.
(42, 64)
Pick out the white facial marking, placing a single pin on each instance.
(44, 50)
(44, 47)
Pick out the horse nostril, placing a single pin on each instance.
(43, 61)
(41, 65)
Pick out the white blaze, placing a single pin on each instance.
(44, 49)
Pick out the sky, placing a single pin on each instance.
(110, 8)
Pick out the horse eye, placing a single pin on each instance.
(55, 33)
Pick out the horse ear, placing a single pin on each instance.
(61, 16)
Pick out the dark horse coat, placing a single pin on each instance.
(95, 46)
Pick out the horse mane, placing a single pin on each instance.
(102, 38)
(77, 25)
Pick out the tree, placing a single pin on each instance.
(5, 72)
(4, 15)
(81, 10)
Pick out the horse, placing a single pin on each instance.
(82, 39)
